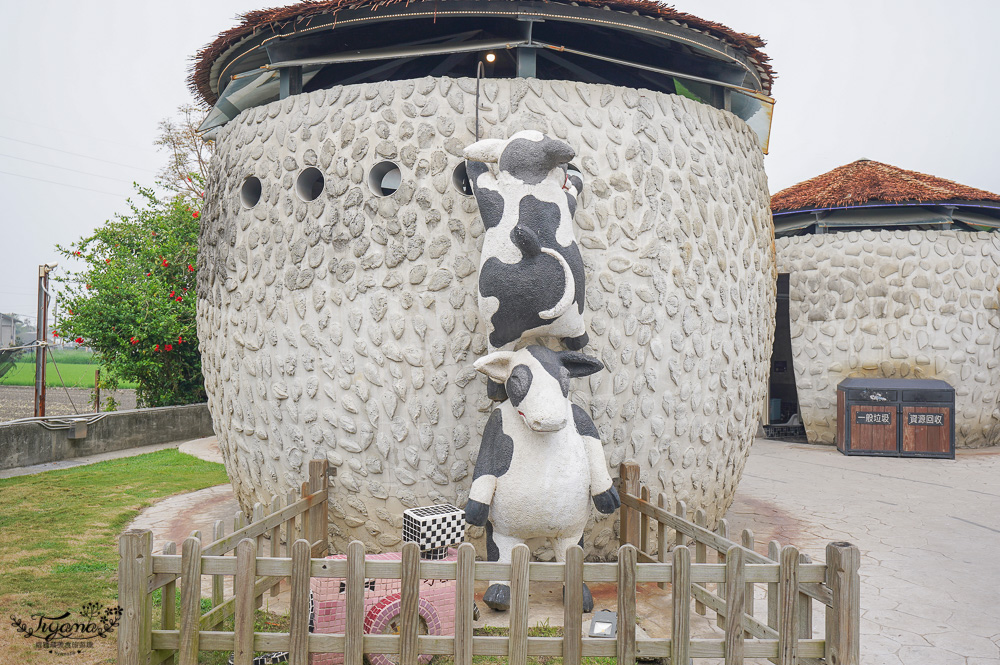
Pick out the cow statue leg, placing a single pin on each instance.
(576, 343)
(499, 547)
(559, 547)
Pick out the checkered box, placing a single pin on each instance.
(434, 528)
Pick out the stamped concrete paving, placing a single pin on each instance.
(928, 531)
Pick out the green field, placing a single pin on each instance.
(76, 366)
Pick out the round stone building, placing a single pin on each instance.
(887, 273)
(340, 242)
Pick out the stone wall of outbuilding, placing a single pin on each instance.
(347, 327)
(896, 304)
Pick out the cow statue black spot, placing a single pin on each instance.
(541, 462)
(531, 279)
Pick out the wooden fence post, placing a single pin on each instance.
(190, 601)
(135, 568)
(409, 605)
(218, 581)
(681, 511)
(573, 607)
(465, 579)
(843, 619)
(243, 588)
(354, 644)
(644, 523)
(735, 597)
(629, 527)
(298, 647)
(168, 601)
(805, 608)
(747, 540)
(519, 589)
(700, 552)
(774, 554)
(661, 534)
(680, 641)
(275, 537)
(627, 559)
(317, 483)
(720, 588)
(788, 610)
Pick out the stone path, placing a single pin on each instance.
(928, 531)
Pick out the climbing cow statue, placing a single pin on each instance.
(541, 462)
(531, 279)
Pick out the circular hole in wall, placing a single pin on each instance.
(250, 192)
(460, 178)
(384, 178)
(309, 184)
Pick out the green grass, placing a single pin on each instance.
(77, 368)
(58, 529)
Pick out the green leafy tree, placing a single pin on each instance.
(134, 301)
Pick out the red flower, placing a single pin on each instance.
(134, 340)
(195, 214)
(172, 294)
(78, 340)
(185, 289)
(55, 333)
(156, 347)
(179, 298)
(165, 264)
(154, 233)
(180, 340)
(88, 287)
(149, 274)
(190, 268)
(168, 347)
(107, 260)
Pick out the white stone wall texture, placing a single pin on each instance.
(896, 304)
(347, 327)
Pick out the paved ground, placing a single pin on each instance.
(928, 531)
(19, 401)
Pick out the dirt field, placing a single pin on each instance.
(19, 401)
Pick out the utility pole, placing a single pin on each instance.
(41, 336)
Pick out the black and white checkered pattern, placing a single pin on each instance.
(434, 528)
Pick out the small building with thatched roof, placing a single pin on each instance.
(888, 273)
(340, 243)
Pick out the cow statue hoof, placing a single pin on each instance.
(607, 501)
(497, 597)
(588, 599)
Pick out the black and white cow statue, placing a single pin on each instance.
(541, 462)
(531, 279)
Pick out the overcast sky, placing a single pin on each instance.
(910, 83)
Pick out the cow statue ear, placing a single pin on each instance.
(579, 364)
(496, 365)
(487, 150)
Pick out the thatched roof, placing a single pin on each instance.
(287, 19)
(868, 181)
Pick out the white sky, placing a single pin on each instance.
(908, 82)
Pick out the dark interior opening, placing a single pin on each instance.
(782, 380)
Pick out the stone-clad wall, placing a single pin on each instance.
(347, 327)
(903, 304)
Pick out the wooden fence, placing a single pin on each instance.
(790, 589)
(785, 638)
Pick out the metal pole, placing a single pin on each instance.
(41, 336)
(40, 350)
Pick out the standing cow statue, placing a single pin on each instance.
(541, 462)
(531, 279)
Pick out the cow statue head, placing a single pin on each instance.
(528, 155)
(536, 379)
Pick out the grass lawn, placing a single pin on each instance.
(58, 530)
(76, 375)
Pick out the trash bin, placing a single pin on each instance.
(896, 417)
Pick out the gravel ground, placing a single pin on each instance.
(19, 401)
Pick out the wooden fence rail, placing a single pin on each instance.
(780, 638)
